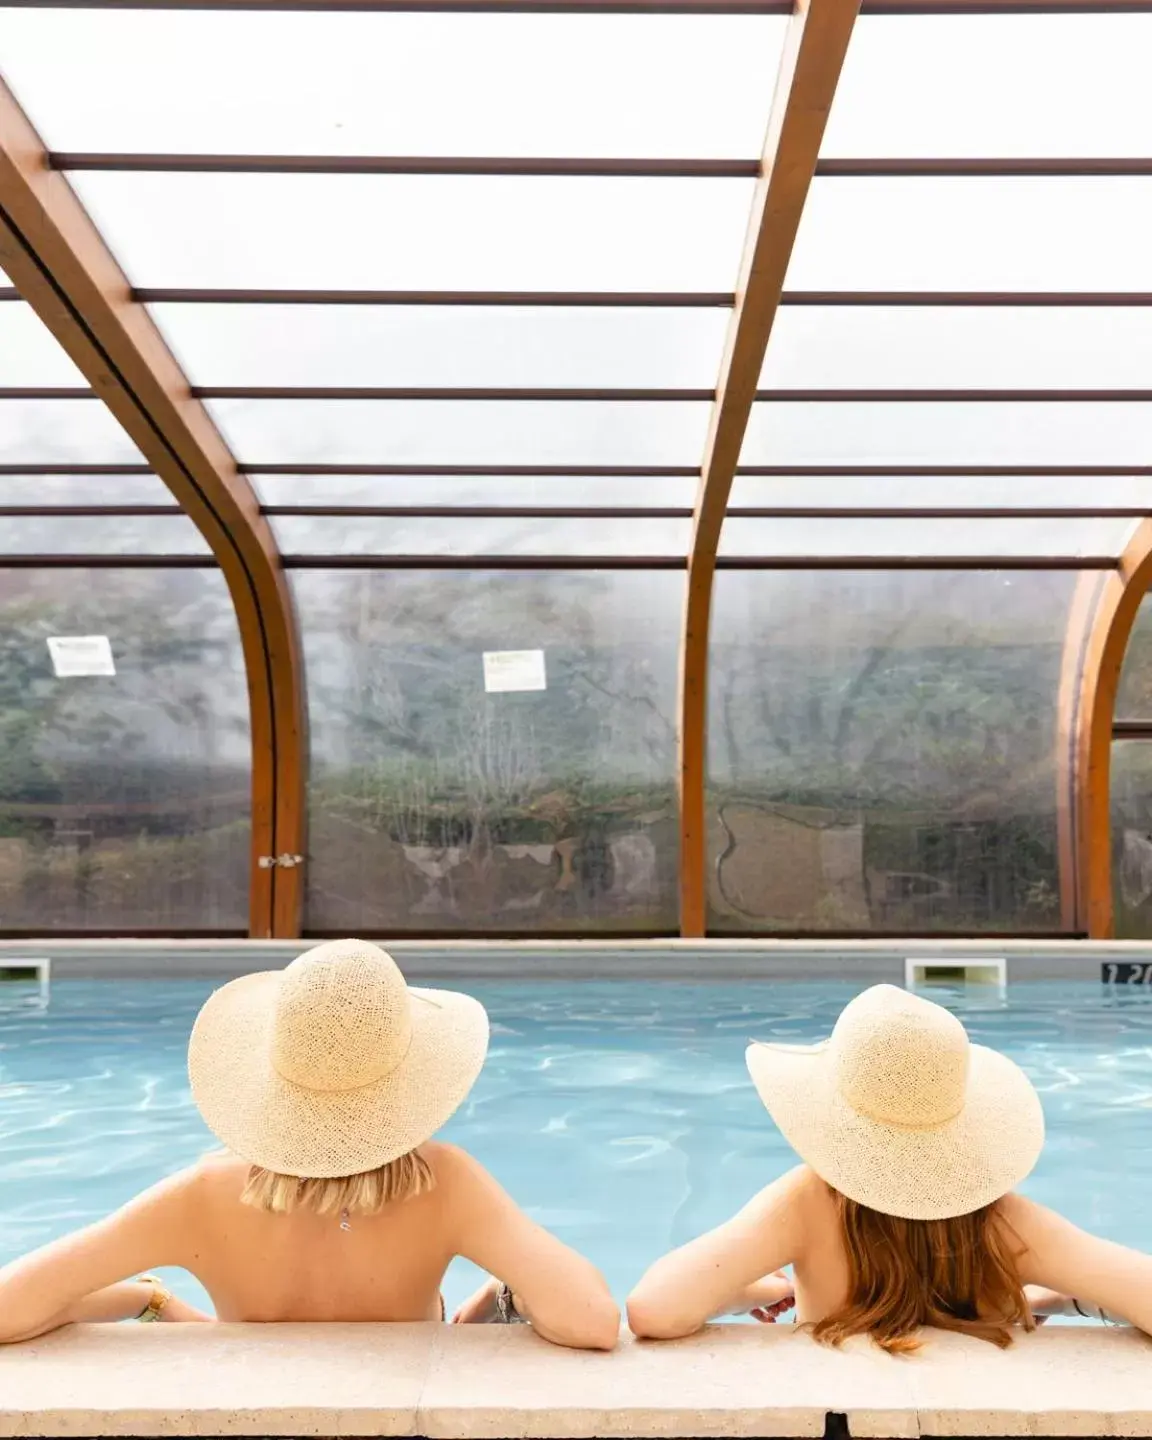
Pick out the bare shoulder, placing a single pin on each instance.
(452, 1168)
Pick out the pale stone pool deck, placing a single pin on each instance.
(494, 1381)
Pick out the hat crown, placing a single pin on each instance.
(342, 1017)
(900, 1059)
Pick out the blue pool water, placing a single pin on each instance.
(619, 1114)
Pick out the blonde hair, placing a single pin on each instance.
(364, 1194)
(956, 1274)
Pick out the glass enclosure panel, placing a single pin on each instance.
(1048, 85)
(464, 432)
(341, 231)
(1131, 804)
(949, 433)
(974, 233)
(988, 348)
(920, 492)
(396, 84)
(84, 490)
(898, 538)
(124, 799)
(100, 535)
(445, 345)
(443, 804)
(417, 535)
(1134, 696)
(29, 353)
(882, 751)
(45, 432)
(510, 491)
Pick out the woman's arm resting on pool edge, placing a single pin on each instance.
(78, 1277)
(562, 1295)
(1068, 1260)
(711, 1276)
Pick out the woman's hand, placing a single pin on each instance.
(480, 1307)
(767, 1298)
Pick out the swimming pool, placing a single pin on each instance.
(618, 1113)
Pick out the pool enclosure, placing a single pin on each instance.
(576, 467)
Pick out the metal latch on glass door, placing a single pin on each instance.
(284, 862)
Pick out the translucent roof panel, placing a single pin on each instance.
(399, 84)
(39, 432)
(949, 433)
(979, 347)
(464, 432)
(445, 345)
(512, 491)
(974, 233)
(439, 803)
(459, 232)
(1048, 85)
(925, 492)
(899, 539)
(30, 354)
(883, 753)
(49, 490)
(100, 535)
(510, 535)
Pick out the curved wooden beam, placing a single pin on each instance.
(1112, 624)
(810, 66)
(59, 262)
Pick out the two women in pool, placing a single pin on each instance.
(325, 1083)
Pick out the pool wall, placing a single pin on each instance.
(498, 1381)
(862, 961)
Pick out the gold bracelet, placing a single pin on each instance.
(160, 1298)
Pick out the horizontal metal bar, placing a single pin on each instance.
(776, 396)
(647, 299)
(9, 469)
(949, 168)
(683, 472)
(965, 299)
(46, 392)
(484, 512)
(228, 164)
(436, 392)
(616, 7)
(678, 562)
(512, 472)
(959, 472)
(610, 167)
(134, 561)
(1132, 729)
(674, 512)
(83, 511)
(592, 299)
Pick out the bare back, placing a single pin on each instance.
(258, 1266)
(302, 1266)
(794, 1221)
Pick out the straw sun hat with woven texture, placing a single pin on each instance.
(334, 1065)
(900, 1112)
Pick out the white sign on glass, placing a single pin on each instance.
(81, 655)
(506, 670)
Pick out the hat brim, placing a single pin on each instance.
(270, 1122)
(952, 1169)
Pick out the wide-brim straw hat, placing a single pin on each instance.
(333, 1066)
(900, 1112)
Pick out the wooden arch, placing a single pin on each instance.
(813, 57)
(60, 264)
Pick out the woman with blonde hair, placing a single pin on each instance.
(325, 1082)
(902, 1213)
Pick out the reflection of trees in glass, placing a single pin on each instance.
(1132, 838)
(541, 808)
(1134, 697)
(882, 749)
(123, 800)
